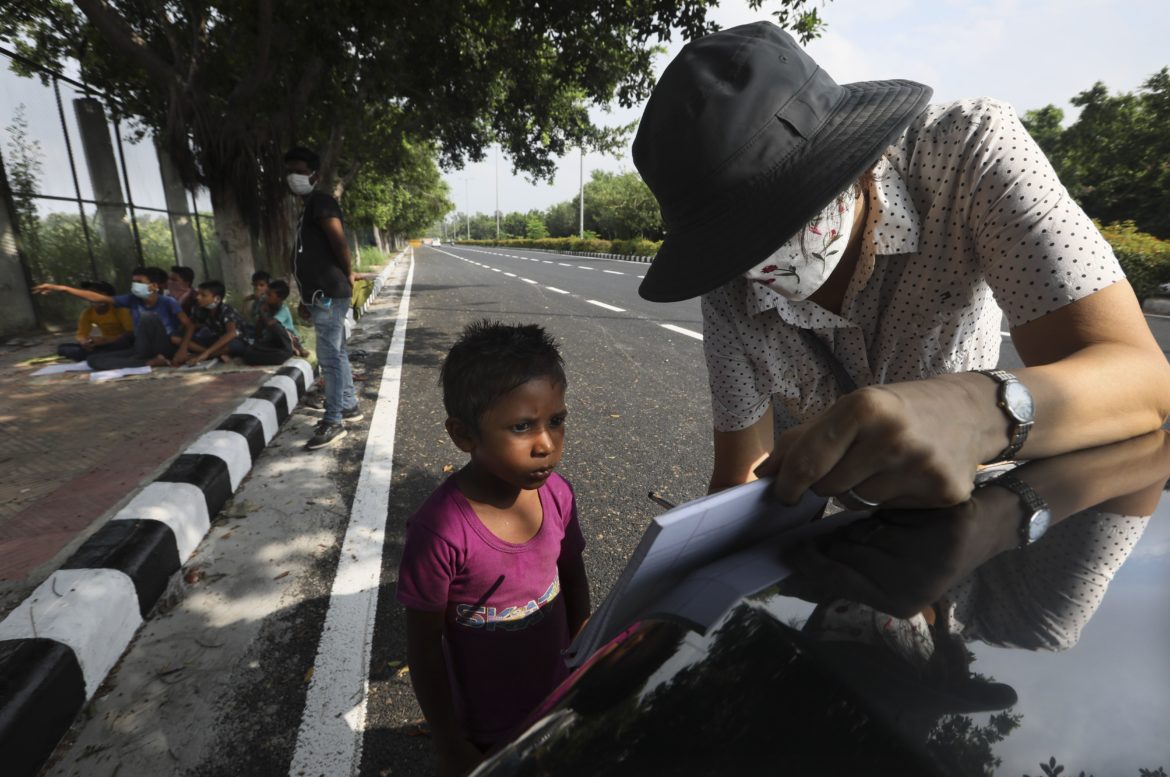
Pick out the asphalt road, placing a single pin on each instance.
(218, 680)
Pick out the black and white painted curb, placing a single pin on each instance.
(59, 644)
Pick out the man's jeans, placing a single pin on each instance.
(329, 324)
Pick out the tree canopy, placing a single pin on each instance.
(228, 86)
(1115, 158)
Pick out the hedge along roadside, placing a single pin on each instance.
(637, 249)
(1144, 258)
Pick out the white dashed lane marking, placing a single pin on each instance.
(682, 331)
(606, 306)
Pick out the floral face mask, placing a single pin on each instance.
(802, 265)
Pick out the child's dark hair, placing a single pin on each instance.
(186, 273)
(155, 275)
(305, 155)
(280, 287)
(492, 358)
(215, 287)
(260, 275)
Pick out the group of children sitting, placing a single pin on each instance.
(165, 320)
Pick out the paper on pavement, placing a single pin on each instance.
(55, 369)
(98, 377)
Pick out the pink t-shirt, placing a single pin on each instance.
(506, 623)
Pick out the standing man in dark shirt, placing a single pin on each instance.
(324, 273)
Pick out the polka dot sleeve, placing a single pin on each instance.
(1041, 597)
(1038, 249)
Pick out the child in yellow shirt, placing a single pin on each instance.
(101, 327)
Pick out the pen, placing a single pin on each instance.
(656, 499)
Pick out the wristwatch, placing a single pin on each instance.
(1015, 400)
(1037, 517)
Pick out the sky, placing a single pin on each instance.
(1030, 53)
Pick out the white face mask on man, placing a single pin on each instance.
(806, 260)
(299, 183)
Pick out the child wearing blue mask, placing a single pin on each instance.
(160, 324)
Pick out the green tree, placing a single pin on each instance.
(401, 198)
(563, 219)
(227, 87)
(620, 206)
(514, 224)
(1115, 158)
(24, 168)
(535, 229)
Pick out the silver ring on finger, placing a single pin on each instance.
(854, 501)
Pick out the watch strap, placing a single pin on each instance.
(1017, 430)
(1030, 500)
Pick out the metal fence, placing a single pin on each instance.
(91, 197)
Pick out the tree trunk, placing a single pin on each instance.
(235, 243)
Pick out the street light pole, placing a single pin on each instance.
(497, 192)
(467, 204)
(582, 192)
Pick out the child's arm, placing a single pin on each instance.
(216, 348)
(86, 294)
(84, 325)
(185, 345)
(428, 676)
(575, 589)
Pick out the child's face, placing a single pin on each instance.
(273, 300)
(260, 288)
(204, 298)
(522, 435)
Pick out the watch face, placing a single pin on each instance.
(1038, 525)
(1018, 401)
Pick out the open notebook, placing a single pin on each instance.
(697, 560)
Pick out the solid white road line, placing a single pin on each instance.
(1005, 334)
(496, 269)
(564, 264)
(682, 331)
(510, 274)
(333, 724)
(583, 267)
(613, 272)
(558, 291)
(604, 305)
(546, 261)
(528, 280)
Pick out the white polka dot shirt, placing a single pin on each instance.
(1041, 597)
(966, 218)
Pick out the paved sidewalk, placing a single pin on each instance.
(72, 450)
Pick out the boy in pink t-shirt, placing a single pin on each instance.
(491, 575)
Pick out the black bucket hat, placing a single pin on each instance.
(743, 141)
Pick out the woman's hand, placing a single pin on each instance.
(900, 561)
(914, 444)
(45, 288)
